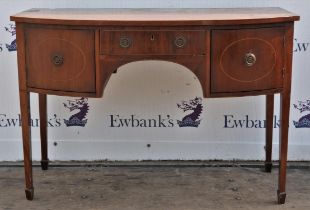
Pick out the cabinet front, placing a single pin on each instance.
(60, 59)
(247, 59)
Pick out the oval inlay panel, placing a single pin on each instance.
(232, 60)
(74, 60)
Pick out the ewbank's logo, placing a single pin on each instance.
(304, 121)
(300, 47)
(11, 29)
(78, 119)
(192, 119)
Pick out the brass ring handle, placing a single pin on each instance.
(249, 59)
(57, 59)
(180, 41)
(125, 42)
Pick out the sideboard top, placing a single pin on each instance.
(160, 17)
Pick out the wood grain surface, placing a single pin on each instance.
(210, 16)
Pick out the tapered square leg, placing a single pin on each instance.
(44, 165)
(268, 167)
(26, 133)
(284, 112)
(281, 197)
(43, 130)
(29, 193)
(269, 129)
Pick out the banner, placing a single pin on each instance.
(153, 110)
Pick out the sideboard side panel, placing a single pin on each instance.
(20, 38)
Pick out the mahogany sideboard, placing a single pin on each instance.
(233, 52)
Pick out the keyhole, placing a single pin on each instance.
(152, 37)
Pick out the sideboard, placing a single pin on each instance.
(233, 52)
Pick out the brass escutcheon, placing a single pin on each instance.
(152, 37)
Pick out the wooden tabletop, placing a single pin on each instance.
(143, 17)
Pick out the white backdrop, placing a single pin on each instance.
(149, 92)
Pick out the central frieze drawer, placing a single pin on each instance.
(186, 42)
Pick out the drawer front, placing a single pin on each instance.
(60, 59)
(152, 42)
(247, 59)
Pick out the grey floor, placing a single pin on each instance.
(153, 187)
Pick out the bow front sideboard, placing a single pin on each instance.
(233, 52)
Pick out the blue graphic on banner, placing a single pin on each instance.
(78, 119)
(304, 121)
(12, 30)
(192, 119)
